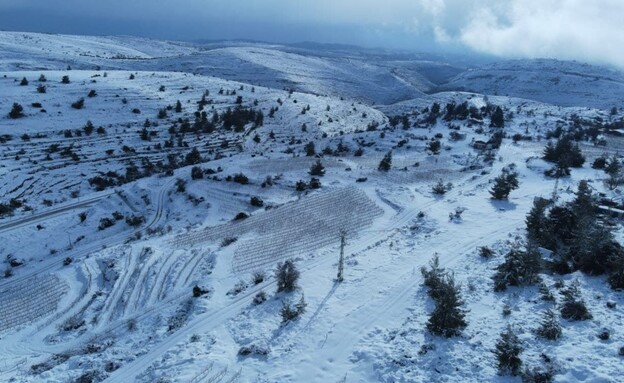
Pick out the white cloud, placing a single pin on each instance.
(565, 29)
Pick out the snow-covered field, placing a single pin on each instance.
(141, 230)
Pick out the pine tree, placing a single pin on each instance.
(193, 157)
(197, 173)
(520, 268)
(317, 169)
(616, 277)
(386, 163)
(592, 247)
(613, 165)
(178, 107)
(448, 317)
(24, 82)
(287, 276)
(613, 168)
(504, 184)
(584, 203)
(434, 277)
(440, 188)
(536, 221)
(309, 149)
(550, 154)
(564, 154)
(549, 328)
(17, 111)
(434, 146)
(508, 350)
(498, 118)
(288, 312)
(573, 307)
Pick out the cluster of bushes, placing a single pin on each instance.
(240, 116)
(520, 268)
(577, 237)
(454, 111)
(565, 155)
(314, 183)
(8, 208)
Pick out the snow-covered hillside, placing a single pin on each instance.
(565, 83)
(34, 51)
(141, 228)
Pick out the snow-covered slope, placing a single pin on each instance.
(34, 51)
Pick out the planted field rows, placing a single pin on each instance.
(292, 229)
(30, 299)
(276, 166)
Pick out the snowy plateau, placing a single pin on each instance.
(180, 212)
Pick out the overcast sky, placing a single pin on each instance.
(585, 30)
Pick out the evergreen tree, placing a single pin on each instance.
(289, 313)
(440, 188)
(498, 118)
(301, 185)
(600, 162)
(520, 268)
(17, 111)
(314, 183)
(287, 276)
(317, 169)
(584, 204)
(592, 247)
(309, 149)
(132, 172)
(496, 139)
(448, 317)
(178, 107)
(613, 168)
(549, 327)
(434, 277)
(79, 104)
(573, 307)
(565, 155)
(434, 113)
(504, 184)
(550, 153)
(24, 82)
(536, 221)
(612, 165)
(616, 277)
(434, 146)
(508, 349)
(386, 163)
(197, 173)
(193, 157)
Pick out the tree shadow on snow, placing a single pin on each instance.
(503, 205)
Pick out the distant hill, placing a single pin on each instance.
(565, 83)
